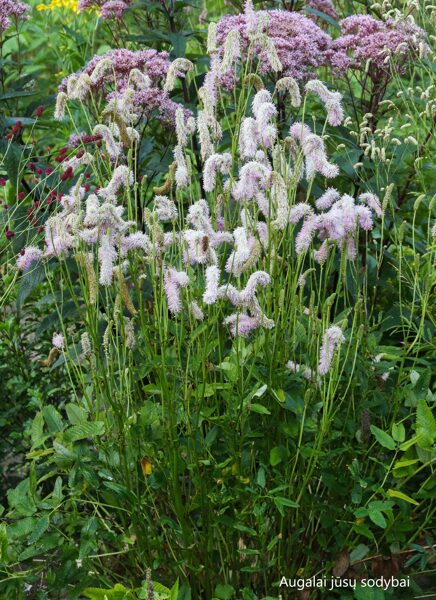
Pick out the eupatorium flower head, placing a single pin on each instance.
(365, 38)
(12, 10)
(300, 45)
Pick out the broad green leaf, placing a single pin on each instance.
(76, 414)
(277, 454)
(29, 281)
(377, 517)
(383, 438)
(40, 527)
(36, 432)
(85, 430)
(224, 591)
(425, 425)
(398, 432)
(52, 418)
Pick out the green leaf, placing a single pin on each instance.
(224, 591)
(29, 281)
(85, 430)
(260, 479)
(40, 527)
(3, 543)
(52, 418)
(277, 455)
(425, 425)
(260, 409)
(36, 431)
(281, 502)
(16, 94)
(377, 517)
(76, 414)
(398, 432)
(397, 494)
(383, 438)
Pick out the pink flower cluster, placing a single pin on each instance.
(9, 10)
(109, 9)
(300, 44)
(94, 221)
(116, 71)
(365, 38)
(339, 224)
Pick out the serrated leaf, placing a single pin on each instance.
(85, 430)
(76, 414)
(52, 418)
(40, 527)
(398, 432)
(36, 431)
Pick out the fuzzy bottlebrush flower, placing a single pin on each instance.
(95, 221)
(184, 127)
(246, 299)
(290, 85)
(294, 367)
(331, 101)
(210, 295)
(12, 11)
(253, 177)
(196, 311)
(165, 208)
(264, 111)
(365, 38)
(332, 340)
(325, 201)
(174, 281)
(109, 9)
(30, 255)
(61, 103)
(300, 45)
(314, 152)
(177, 68)
(182, 173)
(339, 224)
(216, 163)
(243, 248)
(58, 341)
(372, 201)
(241, 324)
(121, 177)
(201, 241)
(139, 74)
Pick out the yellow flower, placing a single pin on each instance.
(72, 5)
